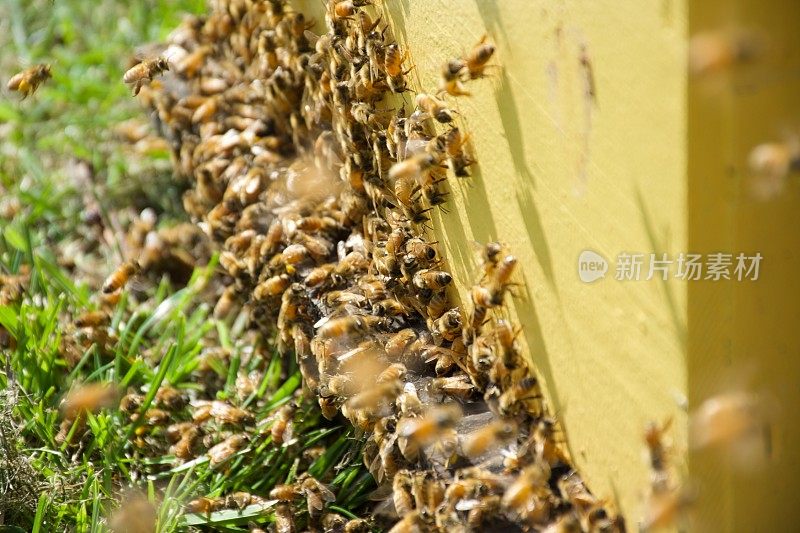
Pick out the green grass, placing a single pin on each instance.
(159, 332)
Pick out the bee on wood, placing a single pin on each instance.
(393, 65)
(28, 81)
(430, 106)
(119, 278)
(144, 72)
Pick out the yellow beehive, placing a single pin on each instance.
(592, 135)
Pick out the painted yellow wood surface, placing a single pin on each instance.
(736, 327)
(560, 172)
(653, 162)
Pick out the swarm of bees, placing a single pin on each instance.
(317, 189)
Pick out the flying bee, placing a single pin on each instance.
(27, 81)
(419, 431)
(715, 52)
(450, 79)
(135, 515)
(92, 319)
(223, 451)
(413, 168)
(731, 421)
(434, 280)
(433, 107)
(120, 276)
(375, 395)
(489, 437)
(523, 494)
(476, 60)
(88, 398)
(144, 72)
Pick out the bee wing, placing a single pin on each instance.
(16, 79)
(314, 501)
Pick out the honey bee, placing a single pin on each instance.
(375, 395)
(348, 325)
(357, 525)
(393, 65)
(489, 437)
(222, 412)
(450, 79)
(394, 372)
(27, 81)
(476, 60)
(448, 326)
(771, 163)
(523, 494)
(458, 385)
(285, 493)
(88, 398)
(316, 493)
(120, 276)
(169, 398)
(144, 72)
(665, 509)
(654, 438)
(284, 518)
(91, 319)
(397, 344)
(516, 398)
(203, 505)
(184, 446)
(135, 515)
(226, 303)
(223, 451)
(410, 523)
(431, 106)
(416, 432)
(271, 287)
(715, 52)
(282, 426)
(457, 158)
(730, 420)
(434, 280)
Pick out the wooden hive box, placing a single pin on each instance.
(592, 135)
